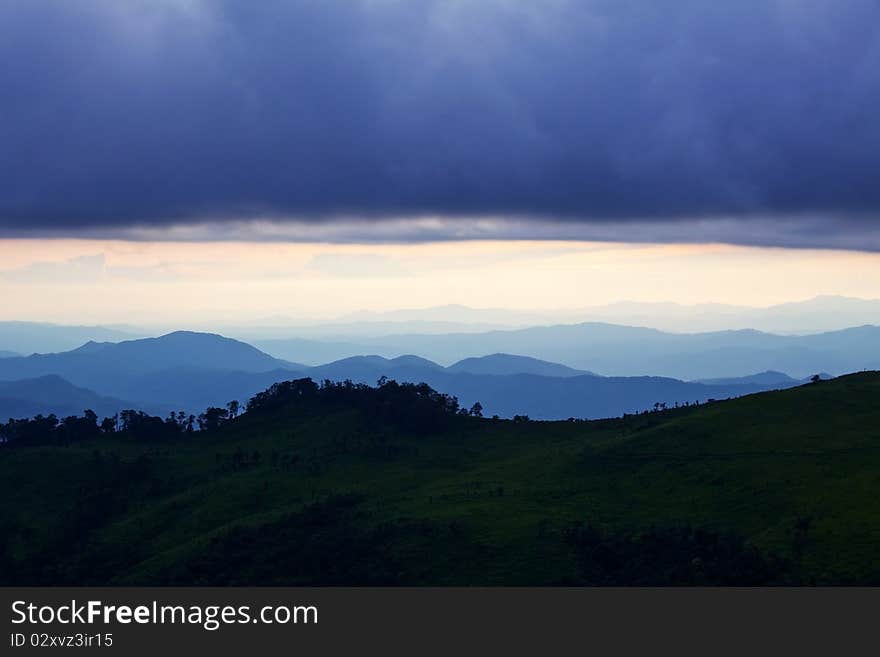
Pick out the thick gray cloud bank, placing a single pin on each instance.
(590, 117)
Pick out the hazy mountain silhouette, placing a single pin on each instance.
(504, 364)
(41, 337)
(542, 397)
(190, 371)
(769, 377)
(346, 335)
(8, 354)
(353, 331)
(614, 350)
(115, 368)
(409, 360)
(367, 369)
(822, 313)
(410, 368)
(52, 394)
(315, 352)
(186, 349)
(194, 389)
(539, 396)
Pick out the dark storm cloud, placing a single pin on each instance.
(601, 115)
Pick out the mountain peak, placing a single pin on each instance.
(192, 335)
(91, 347)
(504, 364)
(410, 360)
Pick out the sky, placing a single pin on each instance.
(192, 282)
(385, 152)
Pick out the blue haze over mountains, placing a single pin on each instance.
(821, 313)
(629, 351)
(589, 369)
(53, 394)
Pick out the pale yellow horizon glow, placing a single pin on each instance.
(96, 281)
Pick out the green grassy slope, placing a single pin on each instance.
(796, 473)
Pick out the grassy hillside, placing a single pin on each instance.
(777, 487)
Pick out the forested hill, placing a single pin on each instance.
(348, 484)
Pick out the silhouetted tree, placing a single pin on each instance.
(212, 418)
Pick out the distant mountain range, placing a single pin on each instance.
(52, 394)
(411, 368)
(42, 337)
(762, 378)
(101, 364)
(190, 371)
(515, 385)
(181, 370)
(614, 350)
(506, 364)
(822, 313)
(353, 334)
